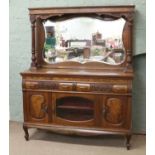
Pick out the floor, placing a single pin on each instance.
(47, 143)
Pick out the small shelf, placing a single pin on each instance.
(75, 103)
(75, 108)
(72, 107)
(71, 115)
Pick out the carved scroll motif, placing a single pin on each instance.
(101, 87)
(48, 85)
(102, 16)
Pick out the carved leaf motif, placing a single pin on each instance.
(114, 111)
(36, 106)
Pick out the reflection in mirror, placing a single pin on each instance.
(84, 39)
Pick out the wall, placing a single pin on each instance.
(20, 51)
(139, 94)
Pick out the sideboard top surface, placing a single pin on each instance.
(81, 72)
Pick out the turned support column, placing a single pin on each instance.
(33, 57)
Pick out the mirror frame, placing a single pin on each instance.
(107, 13)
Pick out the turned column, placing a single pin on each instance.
(127, 40)
(33, 58)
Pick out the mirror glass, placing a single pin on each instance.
(84, 39)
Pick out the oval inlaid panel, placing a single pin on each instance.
(114, 109)
(36, 106)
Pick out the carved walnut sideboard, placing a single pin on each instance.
(83, 98)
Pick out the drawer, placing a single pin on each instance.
(66, 86)
(46, 85)
(79, 87)
(83, 87)
(30, 84)
(111, 88)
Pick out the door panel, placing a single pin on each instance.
(37, 107)
(114, 109)
(74, 109)
(116, 112)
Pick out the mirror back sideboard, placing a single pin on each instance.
(79, 83)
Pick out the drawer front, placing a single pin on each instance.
(116, 112)
(46, 85)
(83, 87)
(120, 88)
(36, 107)
(30, 84)
(66, 86)
(74, 109)
(79, 87)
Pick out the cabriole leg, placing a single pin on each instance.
(128, 137)
(26, 132)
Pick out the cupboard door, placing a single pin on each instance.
(74, 109)
(36, 107)
(116, 112)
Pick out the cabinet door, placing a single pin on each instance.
(116, 112)
(36, 107)
(74, 109)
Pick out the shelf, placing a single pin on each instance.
(75, 108)
(72, 107)
(75, 115)
(75, 103)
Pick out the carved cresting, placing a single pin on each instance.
(38, 108)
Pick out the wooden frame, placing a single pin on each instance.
(39, 15)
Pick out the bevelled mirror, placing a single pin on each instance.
(84, 39)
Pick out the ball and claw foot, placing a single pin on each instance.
(26, 133)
